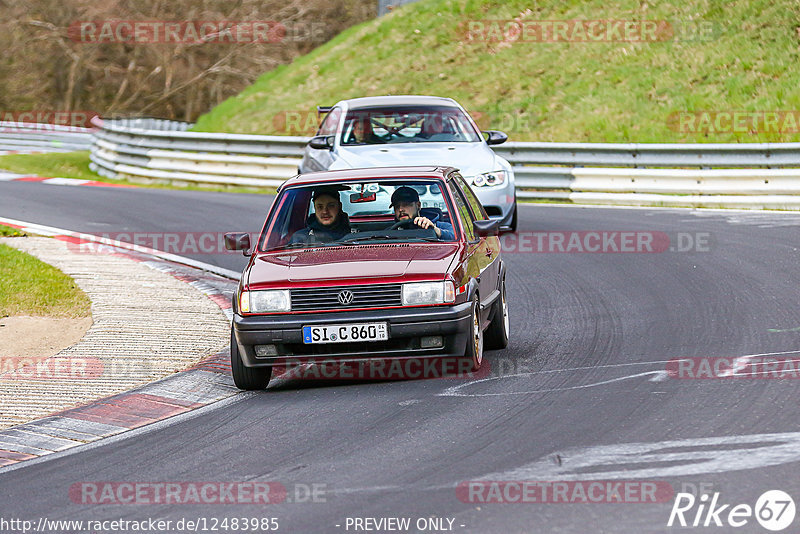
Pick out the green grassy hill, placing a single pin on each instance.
(712, 55)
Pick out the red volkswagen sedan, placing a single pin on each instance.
(366, 264)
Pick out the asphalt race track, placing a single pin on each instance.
(581, 394)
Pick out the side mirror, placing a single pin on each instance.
(488, 227)
(238, 241)
(321, 142)
(494, 137)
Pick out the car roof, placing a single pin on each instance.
(429, 171)
(399, 100)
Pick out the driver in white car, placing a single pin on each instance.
(406, 204)
(363, 134)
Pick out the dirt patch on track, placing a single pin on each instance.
(25, 337)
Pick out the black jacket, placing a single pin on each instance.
(315, 232)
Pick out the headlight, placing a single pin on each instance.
(273, 300)
(419, 293)
(488, 179)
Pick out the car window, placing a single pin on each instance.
(430, 196)
(461, 207)
(288, 218)
(330, 122)
(368, 212)
(474, 203)
(407, 124)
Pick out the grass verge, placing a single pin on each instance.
(29, 286)
(719, 57)
(7, 231)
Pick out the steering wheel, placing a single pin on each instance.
(403, 223)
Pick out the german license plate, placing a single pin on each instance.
(345, 333)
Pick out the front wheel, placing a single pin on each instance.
(497, 333)
(474, 352)
(247, 378)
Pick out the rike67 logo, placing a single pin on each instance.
(774, 510)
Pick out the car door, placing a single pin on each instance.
(474, 263)
(320, 159)
(487, 250)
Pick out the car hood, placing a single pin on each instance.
(470, 158)
(352, 265)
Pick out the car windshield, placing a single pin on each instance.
(357, 213)
(398, 124)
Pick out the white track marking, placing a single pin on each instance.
(740, 362)
(53, 231)
(65, 181)
(696, 456)
(606, 366)
(454, 391)
(659, 376)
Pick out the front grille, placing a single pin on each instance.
(327, 298)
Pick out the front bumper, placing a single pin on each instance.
(500, 199)
(406, 328)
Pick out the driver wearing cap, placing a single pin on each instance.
(406, 204)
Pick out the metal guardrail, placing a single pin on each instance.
(153, 149)
(653, 154)
(43, 137)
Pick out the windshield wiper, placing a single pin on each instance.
(390, 237)
(301, 245)
(430, 239)
(357, 240)
(367, 238)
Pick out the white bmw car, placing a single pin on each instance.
(389, 131)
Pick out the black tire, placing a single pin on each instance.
(497, 332)
(247, 378)
(513, 224)
(473, 354)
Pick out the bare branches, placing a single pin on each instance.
(48, 67)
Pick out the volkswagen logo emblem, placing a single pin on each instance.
(346, 296)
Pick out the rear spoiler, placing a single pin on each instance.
(321, 110)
